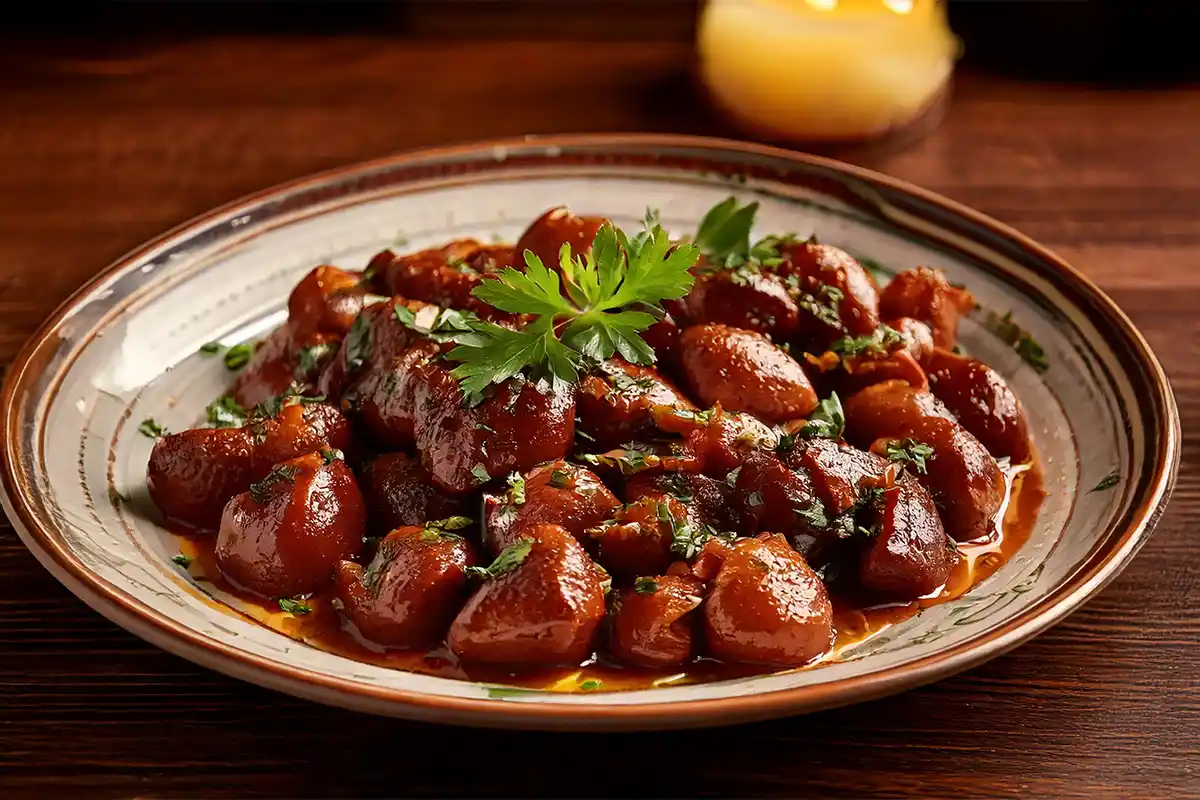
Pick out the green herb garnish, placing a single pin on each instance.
(600, 315)
(909, 451)
(238, 356)
(295, 607)
(358, 343)
(480, 472)
(590, 685)
(881, 341)
(225, 412)
(1109, 481)
(827, 421)
(182, 560)
(151, 428)
(814, 515)
(311, 358)
(645, 586)
(825, 307)
(559, 479)
(331, 454)
(210, 348)
(516, 489)
(632, 458)
(439, 324)
(281, 473)
(508, 560)
(1026, 346)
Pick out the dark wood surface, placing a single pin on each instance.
(104, 144)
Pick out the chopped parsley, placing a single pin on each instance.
(645, 586)
(182, 560)
(437, 529)
(311, 359)
(559, 479)
(508, 560)
(686, 540)
(210, 348)
(516, 489)
(358, 343)
(676, 485)
(331, 454)
(590, 685)
(446, 324)
(787, 443)
(262, 491)
(624, 382)
(909, 451)
(480, 472)
(151, 428)
(881, 341)
(225, 412)
(824, 308)
(826, 422)
(238, 356)
(634, 457)
(295, 607)
(1020, 340)
(1109, 481)
(814, 515)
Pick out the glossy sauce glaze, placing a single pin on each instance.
(778, 464)
(326, 629)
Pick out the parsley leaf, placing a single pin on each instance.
(182, 560)
(262, 491)
(151, 428)
(724, 232)
(437, 323)
(331, 454)
(296, 607)
(225, 412)
(480, 472)
(508, 560)
(824, 308)
(814, 515)
(600, 315)
(827, 421)
(590, 685)
(559, 479)
(358, 343)
(210, 348)
(238, 356)
(311, 358)
(1020, 340)
(1109, 481)
(881, 341)
(437, 529)
(632, 458)
(516, 489)
(910, 451)
(645, 586)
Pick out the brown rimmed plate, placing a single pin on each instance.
(125, 347)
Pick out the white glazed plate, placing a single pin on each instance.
(125, 348)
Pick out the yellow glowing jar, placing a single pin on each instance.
(826, 70)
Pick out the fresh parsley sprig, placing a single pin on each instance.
(604, 299)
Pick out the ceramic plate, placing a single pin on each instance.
(125, 348)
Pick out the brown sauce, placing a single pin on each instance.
(855, 620)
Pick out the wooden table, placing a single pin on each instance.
(104, 146)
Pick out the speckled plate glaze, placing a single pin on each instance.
(125, 347)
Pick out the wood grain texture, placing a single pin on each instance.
(105, 145)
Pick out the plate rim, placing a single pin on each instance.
(168, 634)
